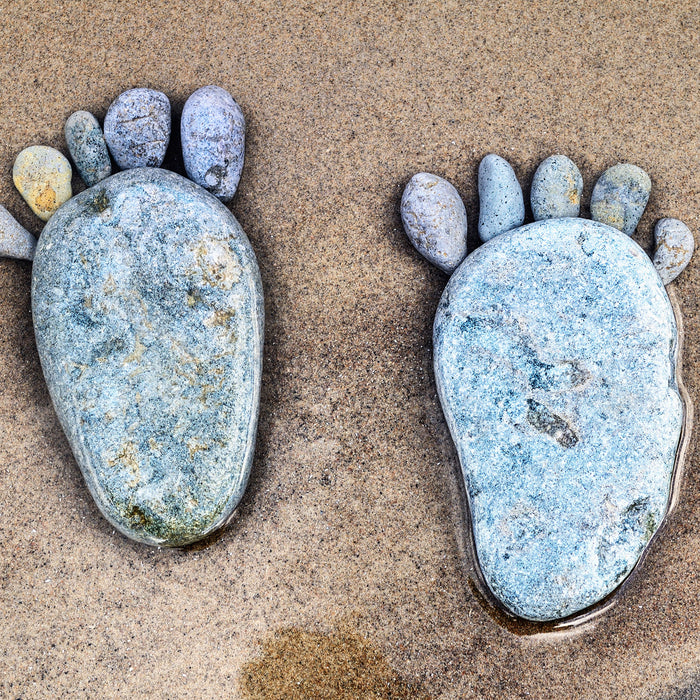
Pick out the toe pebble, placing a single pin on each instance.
(435, 220)
(137, 128)
(42, 175)
(556, 189)
(213, 140)
(674, 248)
(501, 205)
(15, 240)
(620, 197)
(87, 147)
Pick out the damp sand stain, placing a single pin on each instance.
(298, 665)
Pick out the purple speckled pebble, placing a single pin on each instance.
(213, 140)
(137, 128)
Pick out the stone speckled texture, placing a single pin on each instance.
(148, 317)
(555, 360)
(15, 240)
(42, 175)
(556, 189)
(213, 140)
(620, 196)
(501, 204)
(674, 248)
(137, 128)
(87, 147)
(435, 220)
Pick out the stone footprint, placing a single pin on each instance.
(555, 354)
(148, 311)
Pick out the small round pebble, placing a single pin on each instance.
(15, 240)
(87, 147)
(42, 175)
(501, 204)
(620, 197)
(137, 128)
(674, 248)
(556, 189)
(213, 140)
(435, 220)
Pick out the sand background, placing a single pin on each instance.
(343, 574)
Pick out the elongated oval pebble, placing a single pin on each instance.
(137, 128)
(435, 220)
(15, 240)
(213, 140)
(501, 204)
(87, 147)
(620, 197)
(674, 248)
(556, 189)
(148, 316)
(42, 175)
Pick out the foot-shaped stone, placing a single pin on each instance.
(148, 315)
(555, 351)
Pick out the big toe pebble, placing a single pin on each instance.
(501, 205)
(137, 128)
(674, 248)
(213, 140)
(620, 197)
(87, 147)
(42, 175)
(435, 220)
(556, 189)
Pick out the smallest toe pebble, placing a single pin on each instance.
(435, 220)
(42, 175)
(501, 204)
(620, 197)
(137, 128)
(213, 140)
(674, 248)
(87, 147)
(15, 240)
(556, 189)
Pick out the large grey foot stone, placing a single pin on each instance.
(555, 359)
(148, 314)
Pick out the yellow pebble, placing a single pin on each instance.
(43, 175)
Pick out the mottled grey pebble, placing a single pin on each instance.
(555, 361)
(501, 204)
(674, 248)
(213, 140)
(137, 128)
(435, 220)
(620, 197)
(15, 240)
(148, 316)
(556, 189)
(87, 147)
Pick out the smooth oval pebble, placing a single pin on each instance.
(43, 177)
(137, 128)
(674, 248)
(555, 362)
(15, 240)
(556, 189)
(87, 147)
(213, 140)
(435, 220)
(148, 315)
(501, 204)
(620, 197)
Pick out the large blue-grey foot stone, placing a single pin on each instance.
(148, 314)
(555, 360)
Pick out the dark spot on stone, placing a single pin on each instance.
(544, 421)
(214, 176)
(341, 665)
(100, 202)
